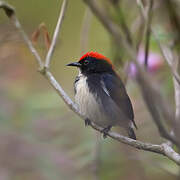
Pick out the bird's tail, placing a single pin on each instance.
(131, 133)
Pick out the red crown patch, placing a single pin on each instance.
(96, 56)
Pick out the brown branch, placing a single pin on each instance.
(148, 32)
(163, 149)
(138, 26)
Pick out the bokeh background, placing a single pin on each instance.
(40, 138)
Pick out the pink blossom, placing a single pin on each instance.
(155, 62)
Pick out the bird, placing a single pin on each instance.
(101, 96)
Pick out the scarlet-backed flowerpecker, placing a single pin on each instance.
(100, 94)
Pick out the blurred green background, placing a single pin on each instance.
(40, 138)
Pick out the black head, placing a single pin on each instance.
(93, 62)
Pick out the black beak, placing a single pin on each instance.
(74, 64)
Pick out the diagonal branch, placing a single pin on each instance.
(163, 149)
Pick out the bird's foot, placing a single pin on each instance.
(131, 133)
(87, 122)
(105, 131)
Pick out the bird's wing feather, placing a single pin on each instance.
(116, 90)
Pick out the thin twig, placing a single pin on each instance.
(160, 149)
(138, 26)
(56, 32)
(148, 33)
(176, 97)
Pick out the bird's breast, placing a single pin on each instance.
(88, 103)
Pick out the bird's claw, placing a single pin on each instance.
(87, 122)
(105, 131)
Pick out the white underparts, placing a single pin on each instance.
(88, 103)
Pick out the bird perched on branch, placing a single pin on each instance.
(101, 95)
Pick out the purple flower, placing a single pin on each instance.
(155, 62)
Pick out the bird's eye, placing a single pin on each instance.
(86, 62)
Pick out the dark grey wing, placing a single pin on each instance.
(117, 92)
(75, 83)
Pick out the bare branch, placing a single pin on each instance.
(9, 10)
(138, 26)
(160, 149)
(163, 149)
(56, 32)
(171, 154)
(148, 32)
